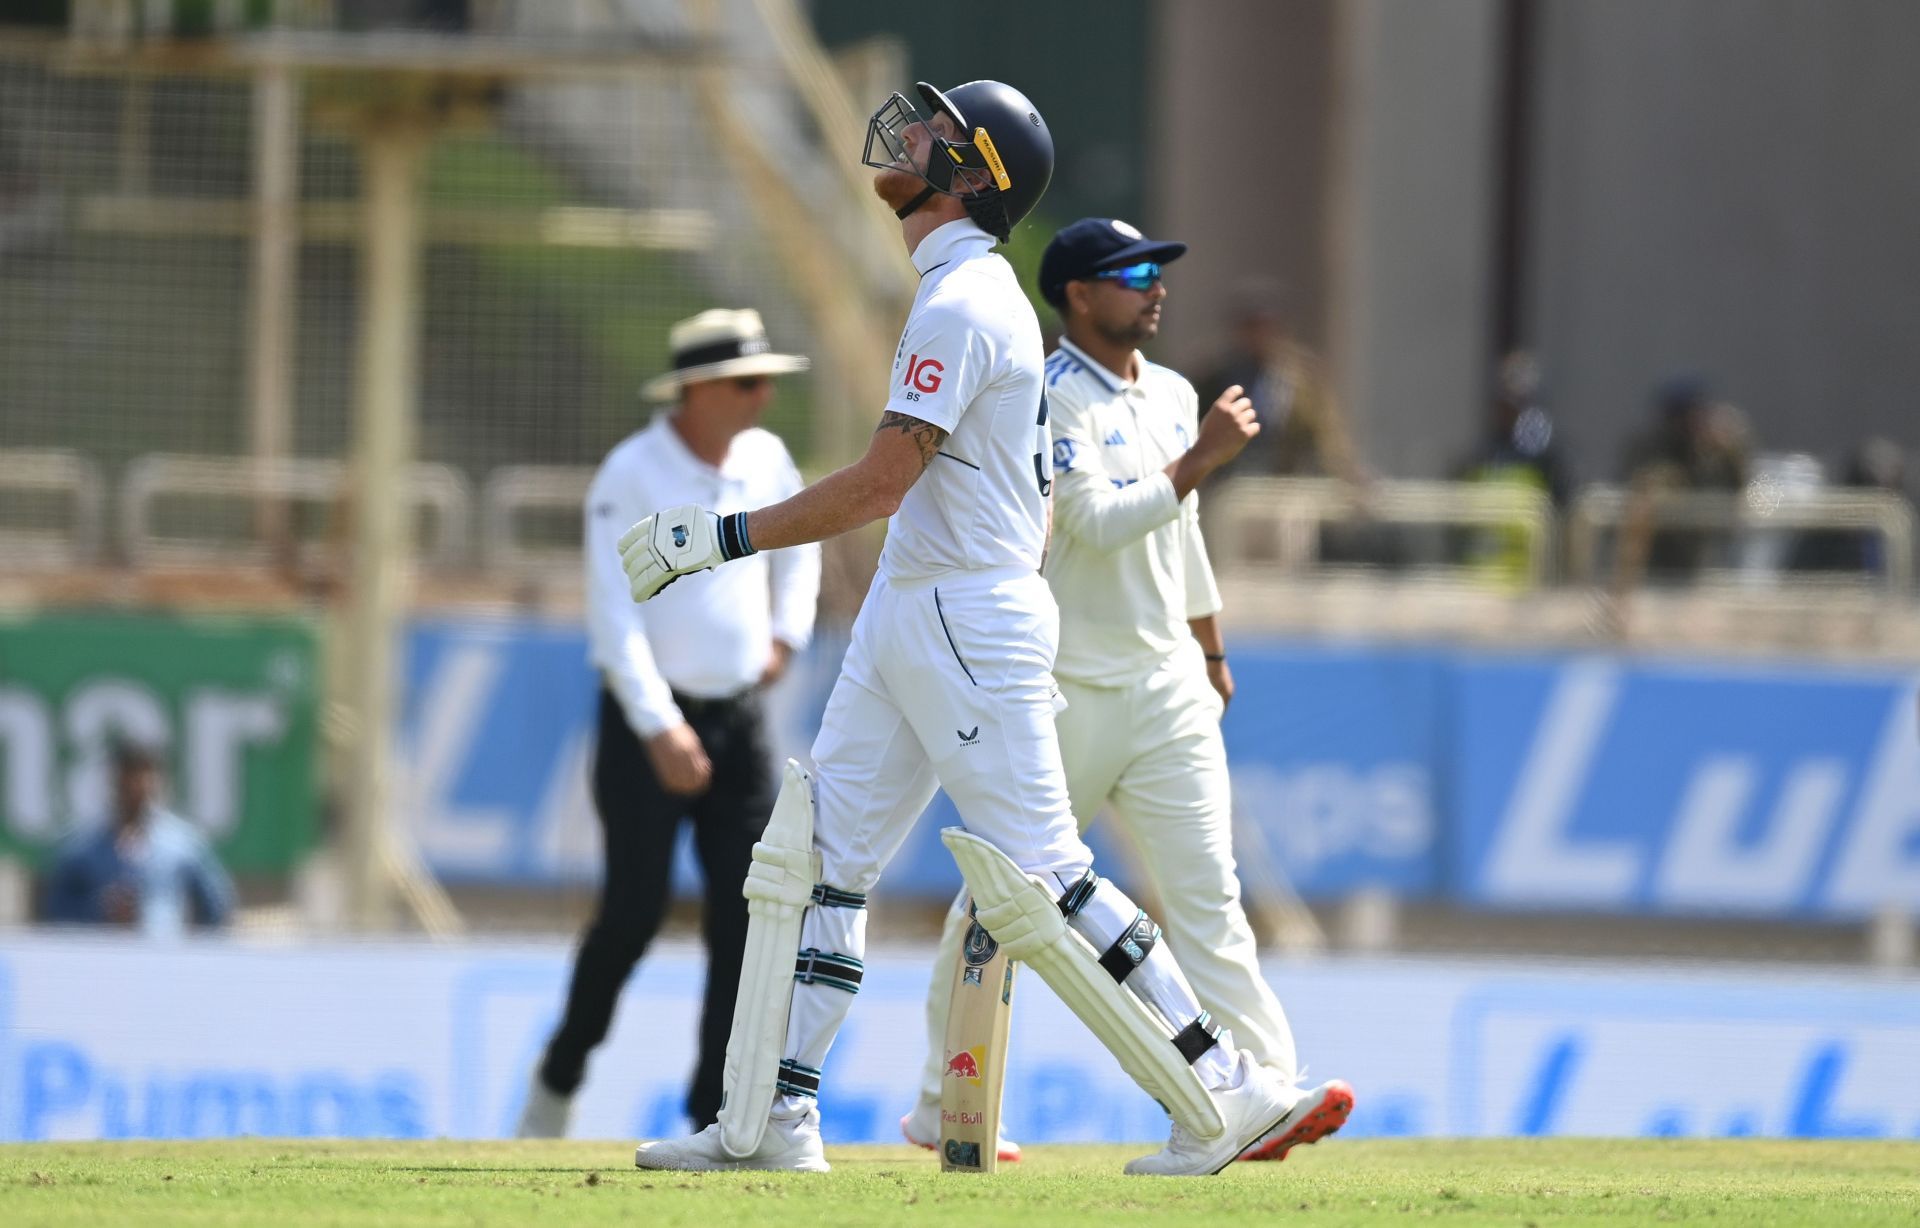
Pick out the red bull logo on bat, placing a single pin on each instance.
(966, 1064)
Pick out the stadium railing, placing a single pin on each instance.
(1278, 522)
(52, 509)
(521, 507)
(1468, 563)
(1759, 517)
(202, 510)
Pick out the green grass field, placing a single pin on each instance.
(1534, 1182)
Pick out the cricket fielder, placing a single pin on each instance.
(1142, 664)
(948, 683)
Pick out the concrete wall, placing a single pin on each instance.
(1735, 189)
(1708, 190)
(1412, 243)
(1344, 148)
(1240, 139)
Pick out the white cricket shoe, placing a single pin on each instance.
(792, 1145)
(546, 1113)
(922, 1128)
(1253, 1105)
(1320, 1111)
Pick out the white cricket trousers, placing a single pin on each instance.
(1152, 751)
(947, 684)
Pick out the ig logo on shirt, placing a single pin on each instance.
(923, 376)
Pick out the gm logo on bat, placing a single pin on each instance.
(962, 1155)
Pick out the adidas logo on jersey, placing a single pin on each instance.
(1115, 439)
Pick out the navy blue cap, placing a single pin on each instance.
(1092, 244)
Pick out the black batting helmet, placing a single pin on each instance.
(1003, 138)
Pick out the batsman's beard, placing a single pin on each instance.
(897, 187)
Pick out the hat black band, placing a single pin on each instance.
(720, 351)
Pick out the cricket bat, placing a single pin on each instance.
(976, 1052)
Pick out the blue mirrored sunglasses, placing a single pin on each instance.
(1140, 276)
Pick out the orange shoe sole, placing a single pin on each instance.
(1335, 1106)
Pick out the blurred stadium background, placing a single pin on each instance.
(1576, 762)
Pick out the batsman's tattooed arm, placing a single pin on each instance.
(925, 434)
(869, 489)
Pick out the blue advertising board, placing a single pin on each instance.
(1333, 755)
(1685, 787)
(1337, 755)
(1502, 781)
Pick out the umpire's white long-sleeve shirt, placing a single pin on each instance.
(1128, 566)
(708, 635)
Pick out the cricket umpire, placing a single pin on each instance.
(681, 731)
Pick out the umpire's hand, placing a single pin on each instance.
(679, 760)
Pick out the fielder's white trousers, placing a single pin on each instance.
(1152, 751)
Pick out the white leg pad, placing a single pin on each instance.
(1024, 918)
(779, 887)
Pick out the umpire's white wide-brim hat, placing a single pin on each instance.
(720, 344)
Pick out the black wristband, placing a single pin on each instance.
(1215, 656)
(733, 537)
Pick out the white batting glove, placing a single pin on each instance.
(677, 542)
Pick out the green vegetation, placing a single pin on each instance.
(1531, 1182)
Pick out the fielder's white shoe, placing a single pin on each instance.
(1252, 1106)
(922, 1128)
(546, 1113)
(792, 1145)
(1320, 1111)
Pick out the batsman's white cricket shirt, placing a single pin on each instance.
(1128, 566)
(708, 635)
(969, 362)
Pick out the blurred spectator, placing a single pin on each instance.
(1520, 447)
(1877, 464)
(1695, 444)
(1521, 450)
(145, 868)
(1303, 429)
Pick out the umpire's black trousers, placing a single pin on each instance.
(639, 819)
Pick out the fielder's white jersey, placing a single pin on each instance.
(1128, 566)
(969, 362)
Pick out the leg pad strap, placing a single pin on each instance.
(1197, 1037)
(798, 1080)
(1131, 948)
(817, 967)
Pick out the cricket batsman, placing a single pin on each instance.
(948, 683)
(1142, 662)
